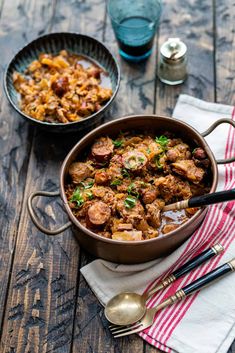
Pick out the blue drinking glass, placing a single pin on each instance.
(135, 23)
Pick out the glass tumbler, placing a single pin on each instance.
(135, 23)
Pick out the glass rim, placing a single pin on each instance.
(142, 26)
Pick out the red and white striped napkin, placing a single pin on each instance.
(205, 321)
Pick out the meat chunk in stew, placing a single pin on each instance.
(178, 152)
(80, 171)
(149, 195)
(188, 169)
(132, 215)
(101, 178)
(172, 187)
(129, 235)
(154, 213)
(167, 228)
(60, 86)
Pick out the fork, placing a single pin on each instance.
(148, 318)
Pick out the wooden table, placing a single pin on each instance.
(45, 304)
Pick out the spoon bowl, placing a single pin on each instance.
(125, 308)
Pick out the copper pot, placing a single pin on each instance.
(127, 251)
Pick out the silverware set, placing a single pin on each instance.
(127, 312)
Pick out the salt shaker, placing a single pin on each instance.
(172, 67)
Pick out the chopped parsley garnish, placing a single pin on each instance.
(116, 182)
(77, 197)
(129, 202)
(117, 143)
(88, 185)
(141, 159)
(157, 161)
(148, 150)
(125, 173)
(158, 164)
(89, 195)
(131, 190)
(162, 141)
(130, 187)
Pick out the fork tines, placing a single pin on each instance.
(119, 331)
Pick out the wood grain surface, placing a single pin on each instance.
(45, 304)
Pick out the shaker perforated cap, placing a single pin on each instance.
(173, 49)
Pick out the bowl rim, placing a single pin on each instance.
(99, 129)
(48, 35)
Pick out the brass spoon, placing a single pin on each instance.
(126, 308)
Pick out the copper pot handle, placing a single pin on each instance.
(212, 128)
(34, 217)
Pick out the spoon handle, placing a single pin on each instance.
(187, 267)
(195, 286)
(209, 277)
(202, 200)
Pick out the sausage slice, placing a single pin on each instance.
(60, 86)
(99, 213)
(102, 149)
(134, 160)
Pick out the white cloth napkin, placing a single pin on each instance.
(205, 321)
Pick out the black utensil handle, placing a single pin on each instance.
(213, 198)
(198, 260)
(209, 277)
(187, 267)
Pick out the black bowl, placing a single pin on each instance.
(53, 43)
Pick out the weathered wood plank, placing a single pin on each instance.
(135, 96)
(15, 135)
(225, 59)
(192, 21)
(224, 53)
(40, 308)
(80, 16)
(1, 6)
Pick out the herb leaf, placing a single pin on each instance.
(141, 159)
(125, 173)
(117, 143)
(77, 197)
(129, 202)
(88, 185)
(162, 141)
(157, 161)
(89, 195)
(131, 190)
(116, 182)
(158, 164)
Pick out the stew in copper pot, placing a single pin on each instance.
(120, 187)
